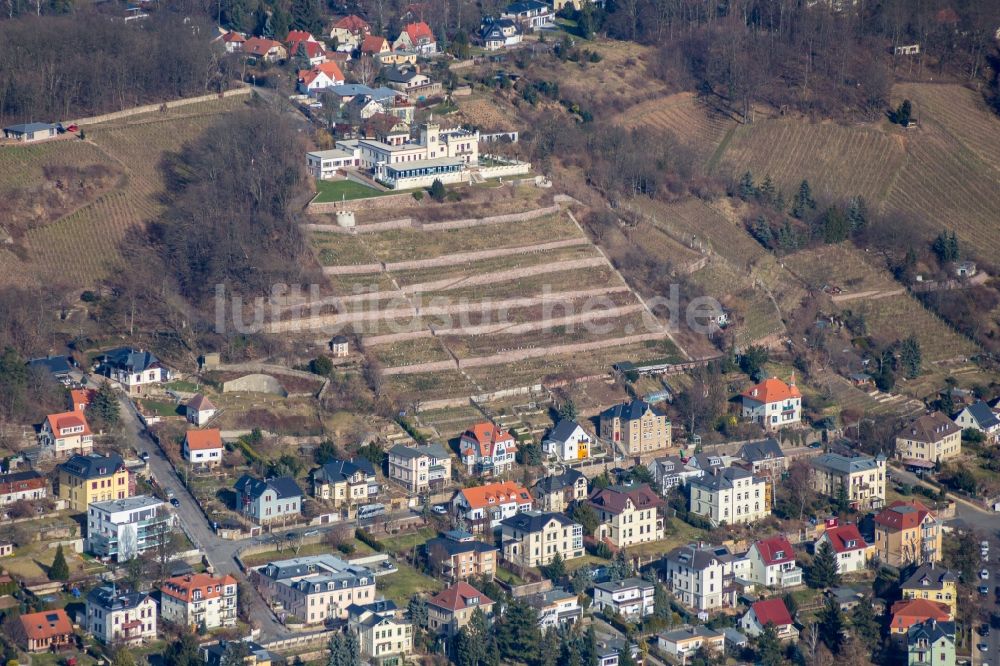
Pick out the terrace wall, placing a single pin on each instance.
(150, 108)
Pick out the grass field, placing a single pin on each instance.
(838, 265)
(897, 317)
(406, 582)
(328, 191)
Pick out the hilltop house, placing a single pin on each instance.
(701, 577)
(763, 458)
(382, 637)
(416, 37)
(772, 563)
(487, 450)
(689, 639)
(350, 32)
(932, 583)
(629, 515)
(567, 441)
(327, 164)
(409, 80)
(374, 46)
(849, 547)
(233, 41)
(637, 427)
(773, 404)
(83, 480)
(58, 367)
(457, 555)
(909, 612)
(345, 483)
(533, 539)
(420, 468)
(47, 631)
(861, 478)
(907, 533)
(269, 500)
(451, 609)
(556, 608)
(199, 410)
(66, 434)
(731, 495)
(203, 448)
(531, 14)
(556, 492)
(979, 416)
(773, 612)
(314, 589)
(484, 507)
(80, 399)
(388, 129)
(134, 370)
(932, 437)
(115, 616)
(316, 80)
(29, 132)
(199, 600)
(499, 33)
(260, 49)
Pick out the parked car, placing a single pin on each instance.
(175, 502)
(983, 647)
(144, 456)
(440, 509)
(985, 574)
(169, 492)
(984, 590)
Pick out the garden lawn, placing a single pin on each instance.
(404, 542)
(328, 191)
(406, 582)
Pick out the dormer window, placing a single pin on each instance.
(852, 543)
(780, 555)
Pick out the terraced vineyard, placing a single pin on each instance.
(23, 166)
(897, 317)
(684, 114)
(841, 266)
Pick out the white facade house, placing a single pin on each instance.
(773, 404)
(314, 589)
(115, 616)
(568, 441)
(979, 416)
(631, 598)
(851, 550)
(487, 450)
(531, 14)
(66, 434)
(772, 563)
(556, 608)
(483, 508)
(700, 576)
(731, 495)
(199, 410)
(203, 448)
(123, 529)
(199, 601)
(381, 634)
(135, 370)
(327, 164)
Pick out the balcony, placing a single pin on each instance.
(790, 577)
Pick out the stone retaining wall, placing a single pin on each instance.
(150, 108)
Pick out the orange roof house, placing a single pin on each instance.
(374, 44)
(909, 612)
(331, 69)
(353, 23)
(266, 49)
(204, 586)
(485, 506)
(199, 600)
(451, 609)
(416, 36)
(296, 36)
(772, 403)
(40, 632)
(67, 422)
(65, 434)
(81, 399)
(772, 390)
(203, 447)
(487, 449)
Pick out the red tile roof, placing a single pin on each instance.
(776, 550)
(772, 611)
(902, 515)
(482, 439)
(908, 612)
(201, 440)
(183, 588)
(352, 23)
(57, 422)
(258, 46)
(840, 537)
(772, 390)
(419, 30)
(296, 36)
(46, 625)
(331, 69)
(233, 37)
(501, 493)
(81, 398)
(374, 44)
(460, 596)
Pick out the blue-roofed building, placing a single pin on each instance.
(134, 369)
(57, 366)
(636, 427)
(530, 14)
(30, 132)
(269, 500)
(979, 416)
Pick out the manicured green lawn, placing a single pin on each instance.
(187, 387)
(404, 542)
(159, 408)
(406, 582)
(328, 191)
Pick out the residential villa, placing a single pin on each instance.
(350, 32)
(46, 631)
(419, 469)
(907, 533)
(637, 427)
(862, 478)
(556, 608)
(133, 370)
(459, 555)
(701, 577)
(631, 598)
(200, 601)
(533, 539)
(556, 492)
(314, 589)
(499, 33)
(483, 508)
(346, 483)
(269, 500)
(979, 416)
(772, 563)
(260, 49)
(764, 458)
(932, 438)
(487, 450)
(568, 441)
(451, 609)
(687, 640)
(417, 37)
(199, 410)
(628, 515)
(383, 637)
(66, 434)
(931, 643)
(773, 404)
(909, 612)
(671, 471)
(849, 547)
(932, 583)
(126, 528)
(203, 448)
(731, 495)
(531, 14)
(769, 611)
(83, 480)
(116, 616)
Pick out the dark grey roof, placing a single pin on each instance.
(400, 75)
(928, 576)
(706, 461)
(840, 464)
(563, 430)
(983, 415)
(931, 630)
(14, 477)
(215, 653)
(699, 557)
(533, 521)
(721, 479)
(762, 450)
(283, 486)
(526, 6)
(452, 547)
(93, 466)
(629, 411)
(55, 365)
(112, 599)
(130, 360)
(432, 450)
(687, 632)
(494, 28)
(339, 470)
(669, 464)
(627, 583)
(25, 128)
(558, 482)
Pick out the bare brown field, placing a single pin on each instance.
(23, 166)
(838, 265)
(581, 278)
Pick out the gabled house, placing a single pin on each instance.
(671, 471)
(47, 631)
(849, 547)
(420, 468)
(199, 410)
(83, 480)
(931, 643)
(773, 404)
(701, 577)
(405, 79)
(908, 612)
(628, 515)
(416, 37)
(772, 563)
(932, 583)
(487, 450)
(931, 437)
(637, 427)
(349, 32)
(459, 555)
(689, 639)
(313, 82)
(81, 399)
(531, 14)
(979, 416)
(499, 33)
(533, 538)
(28, 485)
(558, 491)
(199, 600)
(388, 129)
(907, 533)
(861, 478)
(729, 495)
(484, 507)
(555, 608)
(203, 448)
(567, 441)
(269, 500)
(382, 636)
(66, 434)
(134, 370)
(451, 609)
(58, 367)
(773, 612)
(374, 45)
(345, 483)
(116, 616)
(233, 41)
(260, 49)
(763, 458)
(313, 53)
